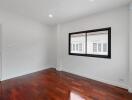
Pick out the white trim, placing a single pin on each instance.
(130, 90)
(26, 73)
(125, 86)
(58, 68)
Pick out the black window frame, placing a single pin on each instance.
(90, 31)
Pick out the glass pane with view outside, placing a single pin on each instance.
(97, 43)
(78, 43)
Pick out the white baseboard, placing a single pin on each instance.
(59, 68)
(25, 73)
(130, 90)
(125, 86)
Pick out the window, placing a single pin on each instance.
(94, 48)
(104, 47)
(80, 47)
(78, 43)
(99, 47)
(94, 43)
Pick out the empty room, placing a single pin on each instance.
(65, 49)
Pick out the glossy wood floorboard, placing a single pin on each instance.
(53, 85)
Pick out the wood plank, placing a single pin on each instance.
(54, 85)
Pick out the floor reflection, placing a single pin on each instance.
(76, 96)
(53, 85)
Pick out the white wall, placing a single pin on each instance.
(130, 49)
(113, 71)
(25, 45)
(28, 46)
(52, 48)
(0, 53)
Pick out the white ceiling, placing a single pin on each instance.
(62, 10)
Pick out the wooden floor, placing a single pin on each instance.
(53, 85)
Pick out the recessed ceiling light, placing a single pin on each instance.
(91, 0)
(50, 16)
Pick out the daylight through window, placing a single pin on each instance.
(96, 43)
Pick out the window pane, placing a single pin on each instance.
(104, 47)
(97, 43)
(94, 47)
(73, 47)
(78, 42)
(76, 47)
(99, 47)
(80, 47)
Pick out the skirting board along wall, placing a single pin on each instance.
(25, 73)
(125, 86)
